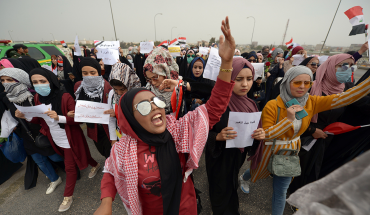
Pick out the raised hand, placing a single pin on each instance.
(227, 43)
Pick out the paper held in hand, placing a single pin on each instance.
(298, 58)
(8, 123)
(107, 51)
(146, 47)
(203, 50)
(174, 50)
(213, 65)
(259, 68)
(35, 111)
(77, 51)
(244, 124)
(91, 112)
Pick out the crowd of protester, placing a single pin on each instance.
(165, 113)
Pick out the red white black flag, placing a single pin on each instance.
(174, 42)
(63, 43)
(182, 40)
(356, 18)
(164, 44)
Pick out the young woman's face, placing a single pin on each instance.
(301, 90)
(279, 55)
(350, 62)
(120, 90)
(314, 62)
(252, 59)
(259, 59)
(54, 61)
(198, 68)
(243, 82)
(89, 71)
(154, 79)
(39, 79)
(150, 122)
(129, 57)
(7, 79)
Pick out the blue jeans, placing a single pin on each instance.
(45, 165)
(280, 187)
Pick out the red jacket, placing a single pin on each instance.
(93, 132)
(75, 135)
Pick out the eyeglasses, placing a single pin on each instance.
(255, 60)
(191, 55)
(314, 64)
(145, 107)
(345, 66)
(152, 78)
(307, 84)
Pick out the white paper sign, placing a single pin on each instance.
(244, 124)
(91, 112)
(298, 58)
(77, 47)
(259, 68)
(203, 50)
(35, 111)
(109, 56)
(107, 44)
(8, 123)
(213, 65)
(322, 59)
(146, 47)
(174, 50)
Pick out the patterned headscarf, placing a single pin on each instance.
(123, 73)
(161, 62)
(18, 91)
(326, 80)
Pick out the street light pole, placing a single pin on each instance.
(53, 37)
(254, 23)
(10, 35)
(155, 31)
(114, 27)
(171, 31)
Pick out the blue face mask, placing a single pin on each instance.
(343, 76)
(42, 89)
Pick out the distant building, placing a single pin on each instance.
(254, 44)
(354, 47)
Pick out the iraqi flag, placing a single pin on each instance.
(164, 44)
(174, 42)
(182, 40)
(272, 50)
(289, 43)
(64, 44)
(340, 128)
(356, 18)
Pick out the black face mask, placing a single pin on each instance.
(265, 53)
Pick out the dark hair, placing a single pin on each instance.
(259, 78)
(116, 83)
(84, 46)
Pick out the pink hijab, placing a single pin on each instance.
(245, 104)
(326, 80)
(6, 63)
(259, 54)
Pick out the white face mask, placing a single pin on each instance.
(129, 60)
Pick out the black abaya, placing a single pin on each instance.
(139, 61)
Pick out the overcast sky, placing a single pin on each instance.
(195, 19)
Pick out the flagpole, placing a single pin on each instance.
(330, 27)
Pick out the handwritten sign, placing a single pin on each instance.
(35, 111)
(8, 123)
(174, 50)
(244, 124)
(77, 51)
(91, 112)
(203, 50)
(213, 65)
(146, 47)
(298, 58)
(109, 56)
(259, 68)
(107, 44)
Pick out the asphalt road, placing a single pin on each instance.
(15, 200)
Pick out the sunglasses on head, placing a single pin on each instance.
(346, 66)
(307, 84)
(191, 55)
(145, 107)
(255, 60)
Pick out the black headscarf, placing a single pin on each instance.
(29, 63)
(305, 61)
(17, 64)
(184, 65)
(245, 55)
(190, 74)
(56, 93)
(166, 154)
(252, 54)
(88, 61)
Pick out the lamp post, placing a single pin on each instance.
(155, 31)
(114, 27)
(253, 27)
(171, 31)
(53, 37)
(10, 35)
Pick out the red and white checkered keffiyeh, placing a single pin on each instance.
(190, 135)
